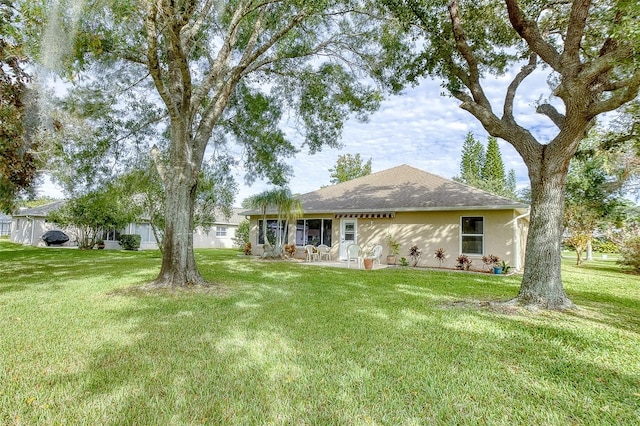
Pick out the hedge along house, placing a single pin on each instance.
(28, 226)
(414, 207)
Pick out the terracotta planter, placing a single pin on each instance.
(368, 263)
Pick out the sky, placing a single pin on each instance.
(419, 127)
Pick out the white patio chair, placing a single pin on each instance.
(377, 253)
(354, 252)
(324, 251)
(311, 252)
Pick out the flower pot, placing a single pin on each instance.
(368, 263)
(497, 270)
(391, 259)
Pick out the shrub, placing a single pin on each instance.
(130, 241)
(603, 245)
(463, 262)
(414, 254)
(630, 252)
(290, 249)
(241, 239)
(441, 255)
(403, 261)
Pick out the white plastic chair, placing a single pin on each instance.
(324, 251)
(354, 253)
(377, 253)
(311, 252)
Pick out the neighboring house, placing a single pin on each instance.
(5, 225)
(415, 208)
(30, 224)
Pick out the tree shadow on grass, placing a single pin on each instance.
(210, 360)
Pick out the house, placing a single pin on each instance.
(5, 225)
(29, 224)
(415, 208)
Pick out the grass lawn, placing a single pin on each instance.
(296, 344)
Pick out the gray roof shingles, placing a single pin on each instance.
(402, 188)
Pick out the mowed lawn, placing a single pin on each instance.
(286, 343)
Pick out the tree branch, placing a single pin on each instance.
(550, 111)
(468, 55)
(618, 97)
(525, 71)
(570, 57)
(153, 59)
(529, 31)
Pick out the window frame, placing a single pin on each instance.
(323, 234)
(221, 231)
(284, 231)
(463, 234)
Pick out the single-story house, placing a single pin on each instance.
(412, 206)
(29, 224)
(5, 225)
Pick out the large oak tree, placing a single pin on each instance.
(590, 50)
(228, 71)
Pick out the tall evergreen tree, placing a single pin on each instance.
(485, 169)
(493, 166)
(472, 160)
(18, 163)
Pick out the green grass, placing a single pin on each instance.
(296, 344)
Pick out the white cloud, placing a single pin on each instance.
(423, 129)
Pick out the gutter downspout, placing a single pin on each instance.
(516, 240)
(32, 226)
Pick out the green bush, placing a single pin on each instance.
(130, 241)
(602, 245)
(630, 252)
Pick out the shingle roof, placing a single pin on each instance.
(40, 211)
(402, 188)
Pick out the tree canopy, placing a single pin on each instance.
(18, 161)
(590, 50)
(226, 75)
(349, 167)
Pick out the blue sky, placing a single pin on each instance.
(423, 129)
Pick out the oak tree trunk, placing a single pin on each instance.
(542, 282)
(178, 261)
(180, 180)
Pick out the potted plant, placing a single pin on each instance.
(394, 249)
(492, 262)
(367, 257)
(505, 267)
(441, 255)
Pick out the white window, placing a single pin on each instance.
(472, 235)
(145, 232)
(221, 231)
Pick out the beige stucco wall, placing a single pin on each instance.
(504, 235)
